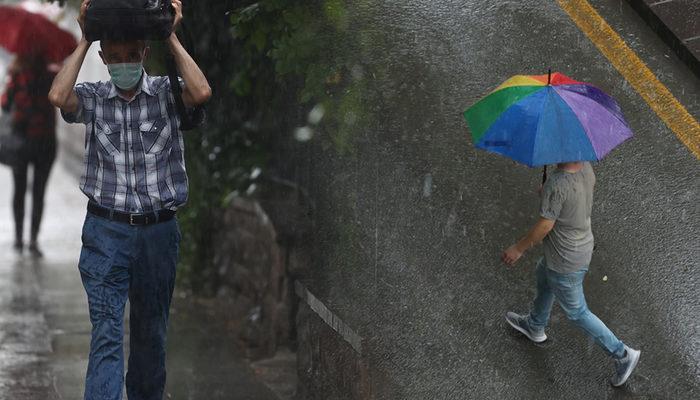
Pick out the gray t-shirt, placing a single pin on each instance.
(567, 198)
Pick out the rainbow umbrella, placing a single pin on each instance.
(547, 119)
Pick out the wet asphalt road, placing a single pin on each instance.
(411, 225)
(45, 330)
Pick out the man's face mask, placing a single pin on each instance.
(125, 76)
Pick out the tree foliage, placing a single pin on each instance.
(269, 63)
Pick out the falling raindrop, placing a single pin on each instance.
(229, 197)
(251, 189)
(316, 114)
(255, 314)
(427, 185)
(303, 134)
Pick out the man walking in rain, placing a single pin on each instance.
(135, 179)
(565, 228)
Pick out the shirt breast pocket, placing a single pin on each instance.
(108, 135)
(156, 135)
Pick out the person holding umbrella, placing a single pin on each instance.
(552, 119)
(135, 180)
(38, 44)
(34, 120)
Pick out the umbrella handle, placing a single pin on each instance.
(544, 174)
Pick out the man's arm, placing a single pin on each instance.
(538, 232)
(196, 90)
(62, 94)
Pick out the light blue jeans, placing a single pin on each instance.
(568, 290)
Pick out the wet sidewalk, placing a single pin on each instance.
(45, 330)
(677, 22)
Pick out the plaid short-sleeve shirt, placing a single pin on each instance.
(134, 151)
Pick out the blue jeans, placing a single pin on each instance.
(568, 290)
(119, 262)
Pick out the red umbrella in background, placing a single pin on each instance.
(28, 34)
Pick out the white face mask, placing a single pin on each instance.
(125, 76)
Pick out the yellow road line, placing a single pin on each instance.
(661, 100)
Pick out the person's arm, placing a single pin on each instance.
(536, 234)
(62, 94)
(552, 200)
(196, 90)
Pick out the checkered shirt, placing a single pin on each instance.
(134, 151)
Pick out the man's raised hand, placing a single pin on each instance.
(81, 17)
(177, 5)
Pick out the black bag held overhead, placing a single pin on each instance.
(129, 20)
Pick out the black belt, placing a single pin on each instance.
(131, 219)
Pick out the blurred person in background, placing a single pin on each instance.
(34, 119)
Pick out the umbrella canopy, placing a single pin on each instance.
(27, 34)
(547, 119)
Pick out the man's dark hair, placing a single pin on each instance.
(104, 43)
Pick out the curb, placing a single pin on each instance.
(668, 30)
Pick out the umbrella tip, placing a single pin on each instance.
(549, 76)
